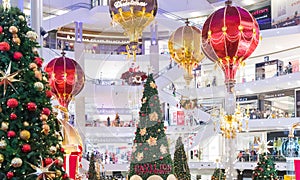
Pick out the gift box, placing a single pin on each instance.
(297, 168)
(72, 161)
(71, 165)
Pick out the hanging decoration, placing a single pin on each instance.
(133, 16)
(185, 49)
(66, 78)
(229, 37)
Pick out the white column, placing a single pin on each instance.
(80, 99)
(36, 15)
(154, 49)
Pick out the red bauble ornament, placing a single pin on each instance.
(38, 61)
(26, 148)
(31, 106)
(17, 56)
(229, 36)
(1, 29)
(62, 149)
(4, 46)
(12, 103)
(65, 176)
(13, 116)
(161, 158)
(48, 94)
(59, 162)
(46, 111)
(48, 161)
(66, 79)
(9, 175)
(11, 134)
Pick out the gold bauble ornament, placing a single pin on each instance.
(22, 18)
(0, 109)
(16, 162)
(58, 173)
(52, 150)
(3, 144)
(43, 117)
(4, 126)
(13, 29)
(46, 129)
(25, 123)
(17, 40)
(39, 86)
(1, 158)
(25, 135)
(33, 66)
(32, 35)
(38, 75)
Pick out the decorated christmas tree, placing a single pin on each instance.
(150, 152)
(92, 174)
(181, 167)
(265, 168)
(29, 132)
(218, 174)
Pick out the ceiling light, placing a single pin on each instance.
(248, 2)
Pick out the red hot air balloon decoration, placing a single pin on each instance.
(66, 79)
(229, 36)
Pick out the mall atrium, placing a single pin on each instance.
(218, 78)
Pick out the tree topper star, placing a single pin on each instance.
(8, 78)
(41, 171)
(263, 147)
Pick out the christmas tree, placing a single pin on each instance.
(29, 135)
(181, 167)
(265, 168)
(92, 169)
(218, 174)
(150, 151)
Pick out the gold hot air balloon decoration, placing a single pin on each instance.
(185, 48)
(133, 16)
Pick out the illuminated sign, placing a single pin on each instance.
(123, 3)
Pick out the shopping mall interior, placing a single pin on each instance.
(106, 112)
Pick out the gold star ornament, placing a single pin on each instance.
(42, 172)
(152, 141)
(153, 116)
(143, 131)
(8, 78)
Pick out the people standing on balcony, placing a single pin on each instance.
(289, 68)
(108, 121)
(117, 120)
